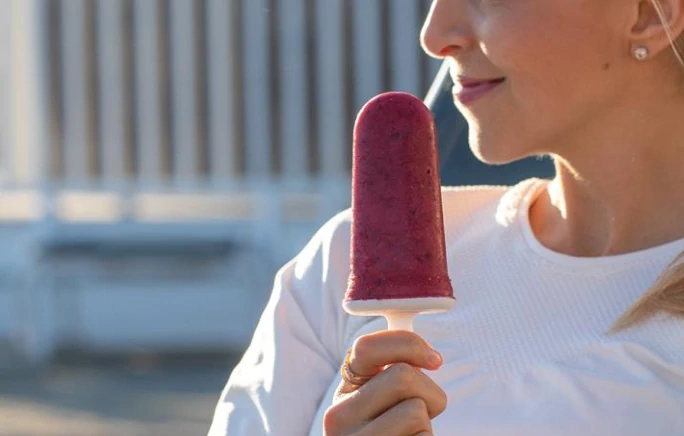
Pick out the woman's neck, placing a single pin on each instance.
(612, 200)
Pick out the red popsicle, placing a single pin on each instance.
(398, 256)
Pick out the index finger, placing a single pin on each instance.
(371, 353)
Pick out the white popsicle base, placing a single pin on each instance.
(400, 311)
(413, 305)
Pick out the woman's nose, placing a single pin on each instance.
(444, 31)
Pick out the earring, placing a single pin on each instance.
(641, 53)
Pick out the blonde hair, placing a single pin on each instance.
(665, 296)
(667, 293)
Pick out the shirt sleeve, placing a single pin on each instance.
(296, 350)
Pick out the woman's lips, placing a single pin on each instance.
(468, 91)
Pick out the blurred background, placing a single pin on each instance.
(159, 161)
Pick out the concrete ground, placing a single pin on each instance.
(134, 396)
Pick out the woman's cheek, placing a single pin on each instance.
(506, 44)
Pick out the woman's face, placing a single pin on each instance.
(563, 62)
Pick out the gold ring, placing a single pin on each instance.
(349, 376)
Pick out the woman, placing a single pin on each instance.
(568, 318)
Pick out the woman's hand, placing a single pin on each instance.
(398, 399)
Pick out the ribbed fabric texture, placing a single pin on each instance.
(520, 305)
(526, 350)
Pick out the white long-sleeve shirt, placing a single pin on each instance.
(526, 349)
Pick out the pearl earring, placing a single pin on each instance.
(641, 53)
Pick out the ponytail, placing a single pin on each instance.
(666, 296)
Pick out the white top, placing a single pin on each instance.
(526, 348)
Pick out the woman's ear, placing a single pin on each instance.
(657, 24)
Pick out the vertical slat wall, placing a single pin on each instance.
(149, 75)
(257, 71)
(22, 94)
(77, 118)
(294, 87)
(221, 59)
(111, 111)
(333, 134)
(189, 91)
(368, 54)
(183, 66)
(405, 59)
(6, 52)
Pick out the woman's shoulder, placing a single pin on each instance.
(330, 245)
(462, 201)
(486, 206)
(461, 205)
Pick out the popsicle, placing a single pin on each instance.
(398, 255)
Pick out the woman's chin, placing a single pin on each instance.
(495, 152)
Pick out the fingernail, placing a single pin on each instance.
(434, 358)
